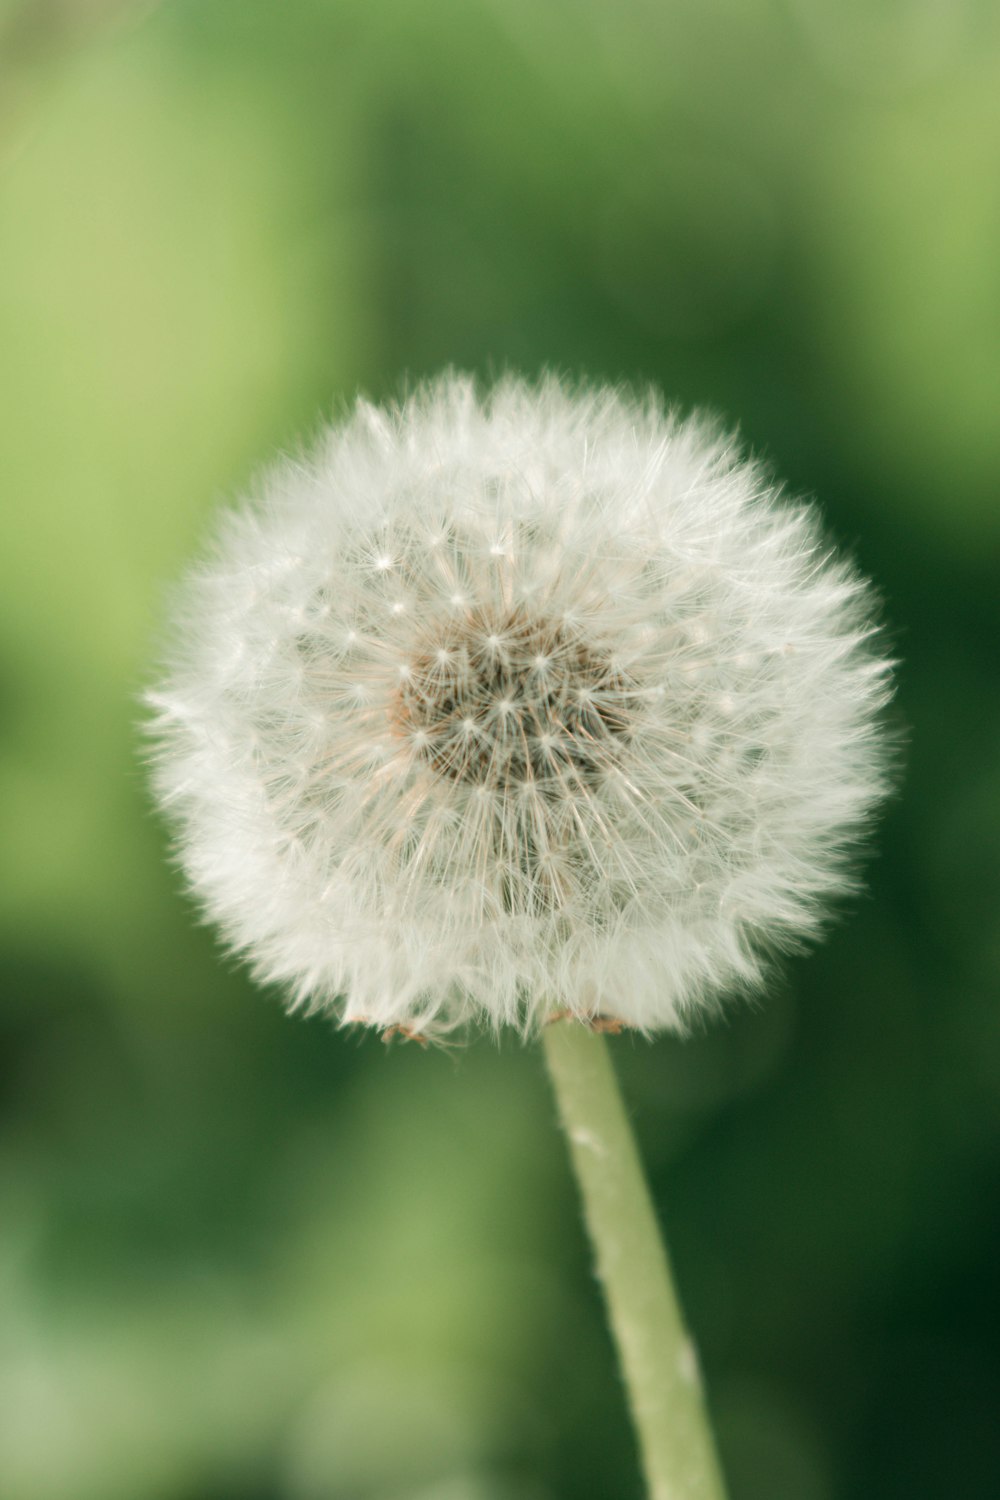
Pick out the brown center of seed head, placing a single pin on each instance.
(510, 699)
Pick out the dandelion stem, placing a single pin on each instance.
(656, 1355)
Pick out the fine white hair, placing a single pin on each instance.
(498, 706)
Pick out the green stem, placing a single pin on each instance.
(657, 1357)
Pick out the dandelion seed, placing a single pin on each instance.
(543, 702)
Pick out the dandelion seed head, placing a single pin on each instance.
(495, 707)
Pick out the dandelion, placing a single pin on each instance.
(547, 704)
(489, 711)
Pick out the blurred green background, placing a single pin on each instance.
(249, 1258)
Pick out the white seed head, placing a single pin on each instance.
(494, 708)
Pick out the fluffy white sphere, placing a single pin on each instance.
(495, 708)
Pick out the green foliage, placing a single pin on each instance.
(243, 1256)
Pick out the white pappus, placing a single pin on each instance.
(508, 704)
